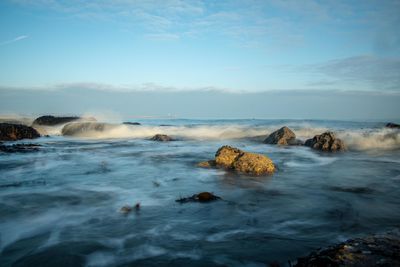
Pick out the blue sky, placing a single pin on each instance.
(173, 46)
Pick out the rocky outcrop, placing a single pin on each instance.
(326, 142)
(52, 120)
(13, 132)
(376, 250)
(131, 123)
(392, 125)
(162, 138)
(201, 197)
(19, 148)
(231, 158)
(82, 128)
(283, 136)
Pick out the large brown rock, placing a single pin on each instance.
(249, 163)
(326, 142)
(13, 132)
(283, 136)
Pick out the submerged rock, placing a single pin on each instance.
(326, 142)
(232, 158)
(52, 120)
(392, 125)
(13, 132)
(19, 148)
(131, 123)
(161, 138)
(376, 250)
(200, 197)
(283, 136)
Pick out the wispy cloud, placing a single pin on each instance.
(16, 39)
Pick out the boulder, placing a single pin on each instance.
(52, 120)
(13, 132)
(200, 197)
(235, 159)
(326, 142)
(283, 136)
(161, 138)
(392, 125)
(131, 123)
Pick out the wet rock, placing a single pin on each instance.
(49, 120)
(131, 123)
(376, 250)
(249, 163)
(207, 164)
(326, 142)
(392, 125)
(19, 148)
(79, 128)
(13, 132)
(127, 209)
(283, 136)
(201, 197)
(161, 138)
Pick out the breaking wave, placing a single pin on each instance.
(362, 139)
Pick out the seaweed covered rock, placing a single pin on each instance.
(200, 197)
(326, 142)
(232, 158)
(49, 120)
(376, 250)
(283, 136)
(162, 138)
(13, 132)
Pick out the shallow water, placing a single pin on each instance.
(60, 206)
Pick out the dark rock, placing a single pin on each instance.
(392, 125)
(82, 128)
(52, 120)
(131, 123)
(19, 148)
(161, 138)
(326, 142)
(13, 132)
(201, 197)
(376, 250)
(283, 136)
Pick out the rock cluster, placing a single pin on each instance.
(326, 142)
(231, 158)
(49, 120)
(13, 132)
(283, 136)
(162, 138)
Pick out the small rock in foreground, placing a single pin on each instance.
(13, 132)
(326, 142)
(162, 138)
(201, 197)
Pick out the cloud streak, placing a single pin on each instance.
(16, 39)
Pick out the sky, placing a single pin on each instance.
(243, 51)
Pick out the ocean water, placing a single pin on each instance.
(60, 206)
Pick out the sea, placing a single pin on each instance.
(61, 205)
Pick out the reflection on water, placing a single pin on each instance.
(60, 206)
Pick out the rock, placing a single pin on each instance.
(131, 123)
(235, 159)
(19, 148)
(13, 132)
(326, 142)
(283, 136)
(392, 125)
(201, 197)
(254, 164)
(207, 164)
(83, 128)
(52, 120)
(375, 250)
(161, 138)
